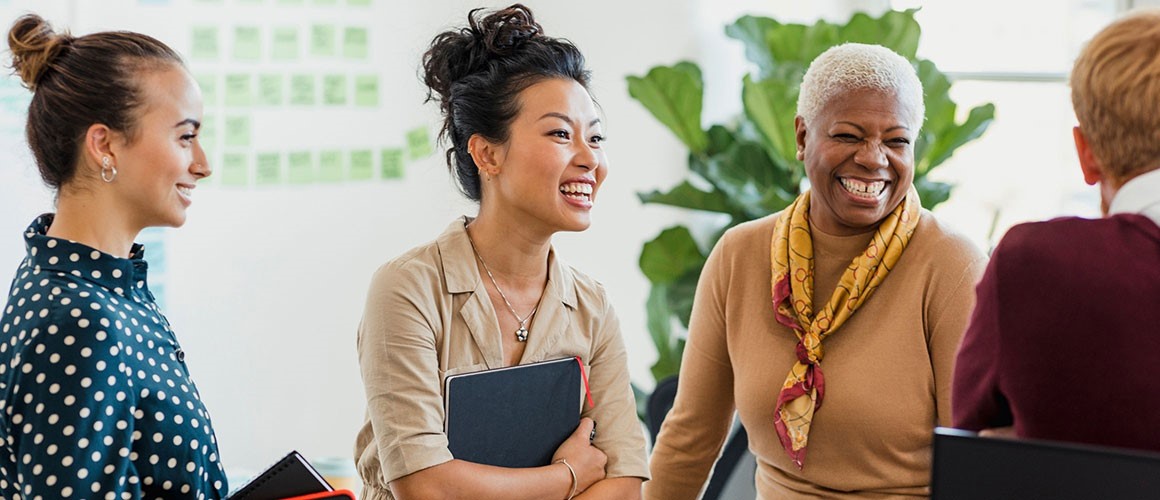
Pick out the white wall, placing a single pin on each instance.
(265, 285)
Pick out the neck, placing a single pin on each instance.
(90, 220)
(510, 251)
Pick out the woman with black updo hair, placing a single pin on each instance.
(490, 291)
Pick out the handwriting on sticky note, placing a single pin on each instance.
(362, 165)
(209, 88)
(205, 43)
(237, 130)
(366, 90)
(247, 43)
(302, 90)
(334, 90)
(269, 169)
(270, 90)
(330, 166)
(239, 89)
(285, 44)
(419, 143)
(392, 163)
(301, 167)
(355, 41)
(323, 40)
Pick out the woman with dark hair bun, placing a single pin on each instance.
(490, 291)
(95, 397)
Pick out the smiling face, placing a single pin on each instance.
(159, 165)
(550, 170)
(859, 157)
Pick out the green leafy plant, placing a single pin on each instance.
(747, 169)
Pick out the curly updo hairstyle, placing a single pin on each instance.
(477, 72)
(76, 82)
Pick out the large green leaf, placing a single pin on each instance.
(670, 255)
(685, 195)
(752, 31)
(772, 105)
(948, 140)
(669, 347)
(815, 40)
(896, 30)
(931, 192)
(681, 294)
(673, 95)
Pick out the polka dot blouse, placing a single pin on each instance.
(95, 398)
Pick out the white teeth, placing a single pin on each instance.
(187, 191)
(574, 188)
(864, 189)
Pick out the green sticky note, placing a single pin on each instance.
(354, 43)
(209, 88)
(334, 90)
(366, 90)
(393, 163)
(237, 131)
(269, 170)
(205, 43)
(302, 90)
(330, 166)
(323, 40)
(239, 89)
(270, 90)
(207, 133)
(247, 43)
(362, 165)
(419, 143)
(285, 44)
(325, 2)
(301, 168)
(234, 171)
(358, 2)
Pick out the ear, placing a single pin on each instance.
(98, 145)
(1093, 172)
(799, 125)
(488, 156)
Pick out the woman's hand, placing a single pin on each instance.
(586, 460)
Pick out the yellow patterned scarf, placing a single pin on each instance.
(793, 292)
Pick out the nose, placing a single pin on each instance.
(871, 155)
(587, 157)
(200, 167)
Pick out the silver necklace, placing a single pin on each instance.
(522, 331)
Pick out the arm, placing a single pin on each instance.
(400, 370)
(978, 401)
(947, 321)
(696, 428)
(73, 432)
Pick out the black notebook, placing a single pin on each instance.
(290, 477)
(515, 416)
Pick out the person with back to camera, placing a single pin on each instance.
(1064, 340)
(96, 400)
(491, 291)
(854, 266)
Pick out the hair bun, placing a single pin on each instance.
(455, 54)
(34, 47)
(504, 31)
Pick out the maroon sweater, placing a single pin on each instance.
(1064, 342)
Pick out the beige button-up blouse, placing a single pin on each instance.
(428, 316)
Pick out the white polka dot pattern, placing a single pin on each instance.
(95, 398)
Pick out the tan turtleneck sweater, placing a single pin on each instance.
(887, 370)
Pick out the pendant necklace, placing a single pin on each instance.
(522, 332)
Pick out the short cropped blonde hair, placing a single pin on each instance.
(857, 66)
(1115, 89)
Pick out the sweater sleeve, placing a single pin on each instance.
(977, 400)
(696, 428)
(947, 324)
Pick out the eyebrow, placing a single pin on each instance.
(189, 121)
(860, 129)
(566, 118)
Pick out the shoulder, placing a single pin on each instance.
(939, 248)
(750, 233)
(590, 292)
(419, 266)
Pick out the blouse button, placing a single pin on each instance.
(180, 356)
